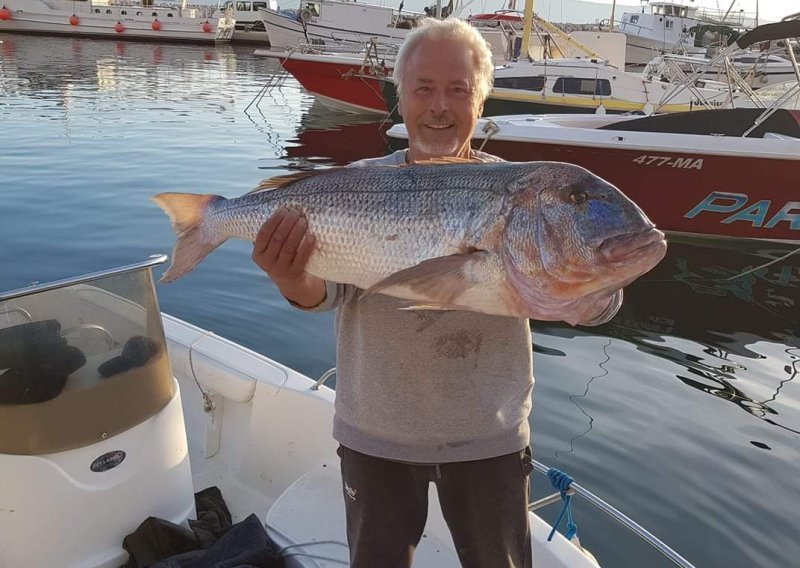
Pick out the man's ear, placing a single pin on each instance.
(400, 106)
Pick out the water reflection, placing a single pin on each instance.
(726, 314)
(335, 137)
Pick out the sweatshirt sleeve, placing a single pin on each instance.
(609, 312)
(335, 295)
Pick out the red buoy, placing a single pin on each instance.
(119, 28)
(5, 13)
(73, 20)
(206, 27)
(156, 25)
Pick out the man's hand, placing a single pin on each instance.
(282, 249)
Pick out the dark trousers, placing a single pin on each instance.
(484, 504)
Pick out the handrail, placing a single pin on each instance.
(623, 519)
(154, 260)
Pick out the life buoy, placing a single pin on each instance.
(305, 15)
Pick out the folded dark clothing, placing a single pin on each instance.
(212, 543)
(14, 339)
(213, 517)
(137, 351)
(156, 539)
(38, 371)
(244, 545)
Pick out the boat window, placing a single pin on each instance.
(257, 5)
(525, 83)
(108, 11)
(97, 10)
(81, 363)
(669, 24)
(169, 15)
(138, 13)
(578, 86)
(155, 14)
(634, 19)
(124, 12)
(243, 6)
(313, 7)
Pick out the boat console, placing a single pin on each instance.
(91, 427)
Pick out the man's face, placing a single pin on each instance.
(439, 103)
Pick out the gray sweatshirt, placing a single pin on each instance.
(429, 386)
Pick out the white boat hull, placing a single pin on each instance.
(81, 19)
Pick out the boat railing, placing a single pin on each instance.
(736, 81)
(575, 489)
(37, 288)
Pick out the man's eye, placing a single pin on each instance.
(423, 89)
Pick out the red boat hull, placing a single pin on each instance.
(729, 196)
(339, 84)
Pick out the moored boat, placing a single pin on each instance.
(141, 20)
(338, 24)
(719, 173)
(352, 82)
(249, 27)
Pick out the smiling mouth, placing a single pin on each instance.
(439, 126)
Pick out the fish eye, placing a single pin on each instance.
(578, 196)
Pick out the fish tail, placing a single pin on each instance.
(187, 212)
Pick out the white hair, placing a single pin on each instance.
(449, 29)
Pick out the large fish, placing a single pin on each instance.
(542, 240)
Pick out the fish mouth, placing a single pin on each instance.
(622, 248)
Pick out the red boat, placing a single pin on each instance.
(349, 82)
(511, 16)
(705, 172)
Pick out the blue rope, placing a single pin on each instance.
(561, 482)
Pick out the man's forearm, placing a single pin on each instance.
(306, 294)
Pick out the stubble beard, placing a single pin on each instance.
(436, 148)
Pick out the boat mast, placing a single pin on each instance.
(613, 9)
(526, 29)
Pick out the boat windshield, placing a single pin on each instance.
(80, 362)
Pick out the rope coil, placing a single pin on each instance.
(561, 482)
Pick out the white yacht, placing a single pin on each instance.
(249, 27)
(663, 27)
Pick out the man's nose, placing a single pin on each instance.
(439, 102)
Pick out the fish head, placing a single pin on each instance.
(572, 233)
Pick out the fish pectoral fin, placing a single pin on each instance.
(439, 280)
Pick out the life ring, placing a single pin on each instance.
(305, 15)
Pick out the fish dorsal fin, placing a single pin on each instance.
(280, 181)
(446, 160)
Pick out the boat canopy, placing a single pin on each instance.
(769, 32)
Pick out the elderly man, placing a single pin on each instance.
(424, 396)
